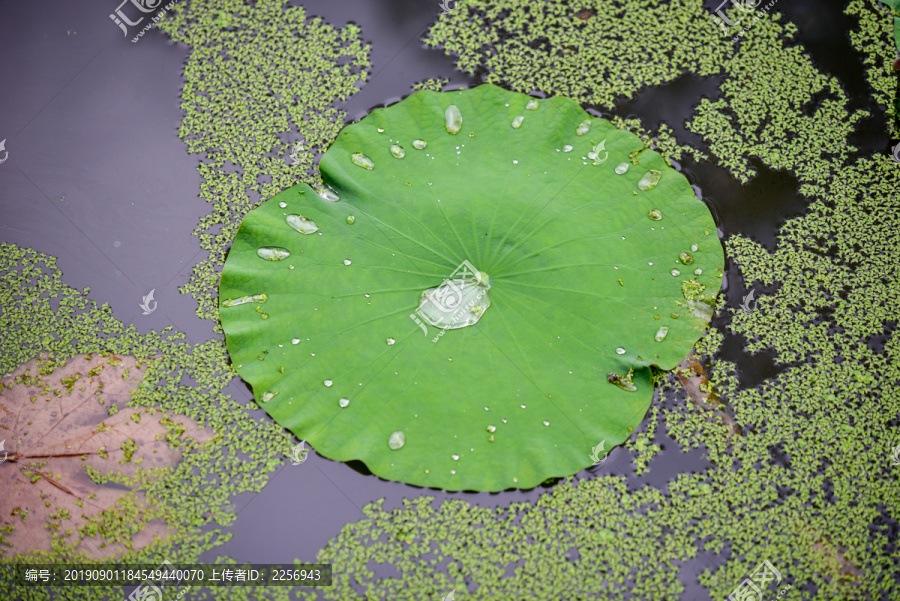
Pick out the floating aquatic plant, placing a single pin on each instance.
(561, 286)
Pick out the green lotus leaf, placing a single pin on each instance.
(561, 278)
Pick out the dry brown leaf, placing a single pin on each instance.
(692, 376)
(54, 425)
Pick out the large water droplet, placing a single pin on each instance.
(454, 457)
(456, 303)
(583, 127)
(655, 215)
(282, 204)
(686, 258)
(347, 261)
(351, 219)
(650, 179)
(273, 253)
(419, 144)
(621, 168)
(694, 248)
(344, 402)
(532, 104)
(492, 428)
(453, 119)
(390, 342)
(268, 396)
(546, 423)
(698, 271)
(361, 160)
(327, 383)
(396, 440)
(517, 122)
(661, 333)
(397, 151)
(567, 148)
(295, 341)
(676, 273)
(302, 224)
(328, 194)
(620, 351)
(255, 298)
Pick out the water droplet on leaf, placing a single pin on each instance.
(302, 224)
(327, 383)
(453, 119)
(255, 298)
(268, 396)
(397, 151)
(361, 160)
(396, 440)
(661, 333)
(583, 127)
(419, 144)
(532, 104)
(390, 341)
(351, 219)
(273, 253)
(654, 214)
(686, 258)
(620, 351)
(517, 122)
(328, 194)
(455, 303)
(650, 179)
(621, 168)
(344, 402)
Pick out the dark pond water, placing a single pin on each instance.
(98, 178)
